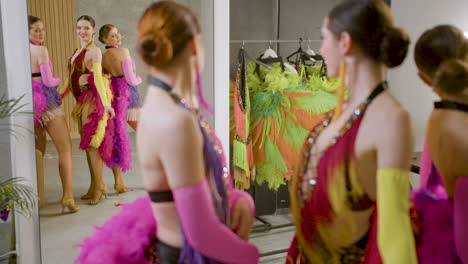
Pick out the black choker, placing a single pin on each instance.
(445, 104)
(159, 83)
(111, 47)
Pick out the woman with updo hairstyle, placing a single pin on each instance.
(350, 200)
(90, 88)
(441, 55)
(192, 213)
(117, 63)
(50, 117)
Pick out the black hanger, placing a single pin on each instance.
(302, 57)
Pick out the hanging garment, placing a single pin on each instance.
(243, 164)
(283, 110)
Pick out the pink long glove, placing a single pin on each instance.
(205, 232)
(460, 208)
(425, 167)
(47, 77)
(128, 69)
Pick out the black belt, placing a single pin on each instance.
(166, 254)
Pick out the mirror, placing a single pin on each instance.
(59, 231)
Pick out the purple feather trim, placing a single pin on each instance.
(40, 101)
(53, 97)
(134, 99)
(116, 146)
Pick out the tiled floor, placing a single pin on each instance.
(60, 232)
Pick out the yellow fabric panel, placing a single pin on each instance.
(395, 237)
(101, 85)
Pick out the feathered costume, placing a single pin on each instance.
(243, 163)
(327, 187)
(97, 130)
(116, 149)
(46, 98)
(284, 107)
(436, 242)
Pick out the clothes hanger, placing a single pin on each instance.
(310, 51)
(269, 53)
(270, 56)
(248, 56)
(301, 56)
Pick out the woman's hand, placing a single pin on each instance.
(242, 219)
(110, 111)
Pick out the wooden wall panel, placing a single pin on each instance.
(59, 19)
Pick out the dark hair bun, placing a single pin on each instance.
(394, 47)
(451, 76)
(155, 49)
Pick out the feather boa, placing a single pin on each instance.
(124, 238)
(116, 147)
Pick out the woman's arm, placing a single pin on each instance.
(394, 150)
(129, 70)
(182, 153)
(45, 66)
(96, 58)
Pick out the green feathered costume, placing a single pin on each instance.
(284, 108)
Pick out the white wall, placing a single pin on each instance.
(415, 16)
(20, 159)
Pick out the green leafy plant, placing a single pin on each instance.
(15, 195)
(9, 108)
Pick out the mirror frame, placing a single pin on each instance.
(22, 160)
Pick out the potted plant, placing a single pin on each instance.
(15, 195)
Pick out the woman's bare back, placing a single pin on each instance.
(112, 60)
(447, 139)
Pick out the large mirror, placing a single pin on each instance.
(62, 180)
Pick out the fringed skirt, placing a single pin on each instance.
(116, 149)
(134, 103)
(46, 103)
(91, 117)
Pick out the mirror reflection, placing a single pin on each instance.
(85, 133)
